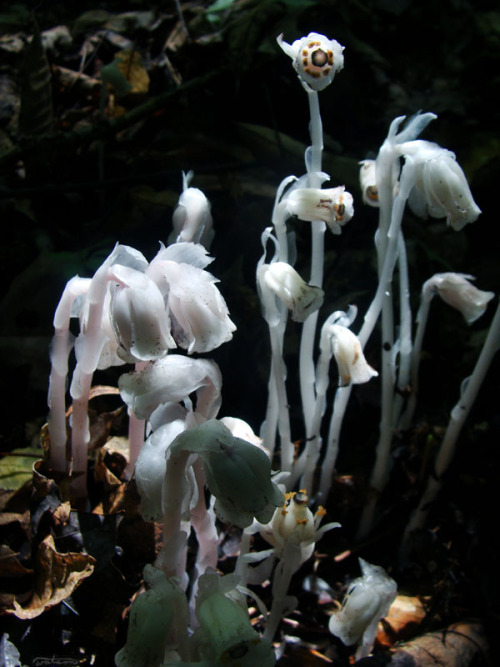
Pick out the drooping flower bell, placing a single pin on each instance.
(281, 280)
(226, 635)
(441, 189)
(316, 59)
(458, 292)
(367, 601)
(153, 619)
(238, 473)
(198, 312)
(346, 348)
(332, 205)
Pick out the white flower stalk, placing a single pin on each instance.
(367, 601)
(458, 292)
(282, 281)
(198, 312)
(332, 205)
(192, 219)
(441, 189)
(138, 316)
(368, 182)
(316, 59)
(352, 365)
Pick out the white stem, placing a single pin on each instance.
(306, 354)
(422, 317)
(332, 448)
(383, 302)
(405, 338)
(458, 416)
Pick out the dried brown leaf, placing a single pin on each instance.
(56, 577)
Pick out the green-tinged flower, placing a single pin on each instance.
(226, 636)
(238, 473)
(151, 621)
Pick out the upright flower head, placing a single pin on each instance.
(192, 219)
(316, 59)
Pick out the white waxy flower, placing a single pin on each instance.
(198, 312)
(282, 280)
(294, 529)
(316, 59)
(172, 379)
(332, 205)
(441, 189)
(138, 316)
(351, 362)
(368, 182)
(457, 291)
(367, 601)
(192, 220)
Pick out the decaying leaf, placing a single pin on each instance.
(56, 577)
(402, 622)
(456, 646)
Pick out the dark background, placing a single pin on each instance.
(239, 119)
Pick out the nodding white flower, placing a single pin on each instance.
(456, 290)
(192, 220)
(351, 362)
(282, 280)
(172, 379)
(332, 205)
(138, 316)
(198, 312)
(316, 59)
(368, 182)
(441, 189)
(367, 601)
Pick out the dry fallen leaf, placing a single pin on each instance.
(57, 575)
